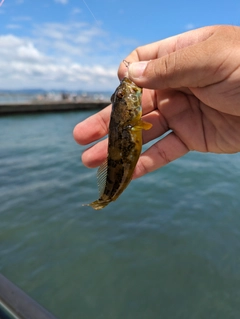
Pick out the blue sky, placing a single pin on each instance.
(76, 44)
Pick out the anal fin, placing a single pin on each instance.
(102, 177)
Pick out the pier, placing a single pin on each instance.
(58, 106)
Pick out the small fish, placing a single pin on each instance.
(124, 145)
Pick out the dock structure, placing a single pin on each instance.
(58, 106)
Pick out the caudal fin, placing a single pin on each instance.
(98, 204)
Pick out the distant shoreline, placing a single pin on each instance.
(43, 107)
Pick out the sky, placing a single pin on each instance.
(79, 44)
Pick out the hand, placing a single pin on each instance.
(191, 86)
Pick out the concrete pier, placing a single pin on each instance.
(59, 106)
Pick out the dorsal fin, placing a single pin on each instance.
(102, 177)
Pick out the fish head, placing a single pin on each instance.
(127, 98)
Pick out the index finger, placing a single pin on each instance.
(93, 128)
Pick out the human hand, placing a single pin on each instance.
(191, 86)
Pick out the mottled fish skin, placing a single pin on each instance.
(125, 142)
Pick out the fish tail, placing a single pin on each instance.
(98, 204)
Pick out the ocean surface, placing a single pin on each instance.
(168, 248)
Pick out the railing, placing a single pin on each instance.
(16, 304)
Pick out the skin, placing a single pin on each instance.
(191, 86)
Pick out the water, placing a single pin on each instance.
(167, 248)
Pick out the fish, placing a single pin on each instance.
(124, 143)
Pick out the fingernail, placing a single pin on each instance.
(136, 69)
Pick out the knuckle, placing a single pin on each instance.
(142, 168)
(162, 155)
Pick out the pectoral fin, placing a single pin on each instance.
(141, 125)
(146, 125)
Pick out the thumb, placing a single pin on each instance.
(193, 66)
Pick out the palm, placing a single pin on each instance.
(198, 126)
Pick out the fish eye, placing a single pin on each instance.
(120, 94)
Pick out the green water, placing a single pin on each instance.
(168, 248)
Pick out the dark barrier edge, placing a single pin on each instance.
(19, 303)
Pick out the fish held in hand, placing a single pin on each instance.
(124, 143)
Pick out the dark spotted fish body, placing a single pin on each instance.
(125, 143)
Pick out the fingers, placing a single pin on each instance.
(165, 47)
(96, 126)
(196, 59)
(95, 155)
(189, 67)
(93, 128)
(161, 153)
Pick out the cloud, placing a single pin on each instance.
(76, 11)
(22, 18)
(62, 1)
(80, 41)
(189, 26)
(74, 55)
(72, 32)
(13, 26)
(22, 65)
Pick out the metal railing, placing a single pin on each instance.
(16, 304)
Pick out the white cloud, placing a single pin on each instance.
(73, 32)
(22, 65)
(62, 56)
(28, 52)
(76, 11)
(189, 26)
(13, 26)
(22, 18)
(62, 1)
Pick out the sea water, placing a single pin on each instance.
(167, 248)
